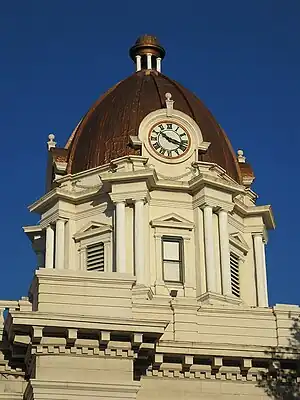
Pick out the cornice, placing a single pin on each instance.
(57, 213)
(263, 211)
(205, 180)
(113, 324)
(61, 193)
(85, 387)
(144, 174)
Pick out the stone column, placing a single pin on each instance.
(107, 256)
(209, 249)
(60, 244)
(265, 273)
(149, 61)
(49, 256)
(261, 282)
(224, 252)
(138, 63)
(139, 251)
(120, 237)
(158, 64)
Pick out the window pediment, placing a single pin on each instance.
(237, 240)
(92, 229)
(172, 220)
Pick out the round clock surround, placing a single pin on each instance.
(169, 140)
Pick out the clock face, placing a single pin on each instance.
(169, 139)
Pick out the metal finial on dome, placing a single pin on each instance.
(147, 53)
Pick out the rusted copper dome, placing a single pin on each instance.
(103, 134)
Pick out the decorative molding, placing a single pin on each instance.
(168, 203)
(135, 142)
(206, 200)
(237, 240)
(172, 220)
(219, 299)
(236, 224)
(178, 177)
(92, 229)
(256, 211)
(130, 196)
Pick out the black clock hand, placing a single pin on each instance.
(170, 139)
(173, 141)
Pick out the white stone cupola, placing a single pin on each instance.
(160, 197)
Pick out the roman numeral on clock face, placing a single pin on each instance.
(183, 145)
(170, 126)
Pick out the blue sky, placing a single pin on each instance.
(241, 58)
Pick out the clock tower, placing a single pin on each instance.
(151, 272)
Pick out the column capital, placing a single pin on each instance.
(118, 197)
(263, 234)
(222, 210)
(130, 197)
(61, 219)
(141, 196)
(255, 234)
(215, 204)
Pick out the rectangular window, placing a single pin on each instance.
(235, 274)
(95, 257)
(172, 255)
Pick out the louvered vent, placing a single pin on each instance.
(235, 274)
(95, 257)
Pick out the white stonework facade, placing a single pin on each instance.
(150, 284)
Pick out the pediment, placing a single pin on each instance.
(92, 228)
(237, 240)
(172, 220)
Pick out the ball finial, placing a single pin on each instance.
(240, 156)
(51, 142)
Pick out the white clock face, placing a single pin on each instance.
(169, 140)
